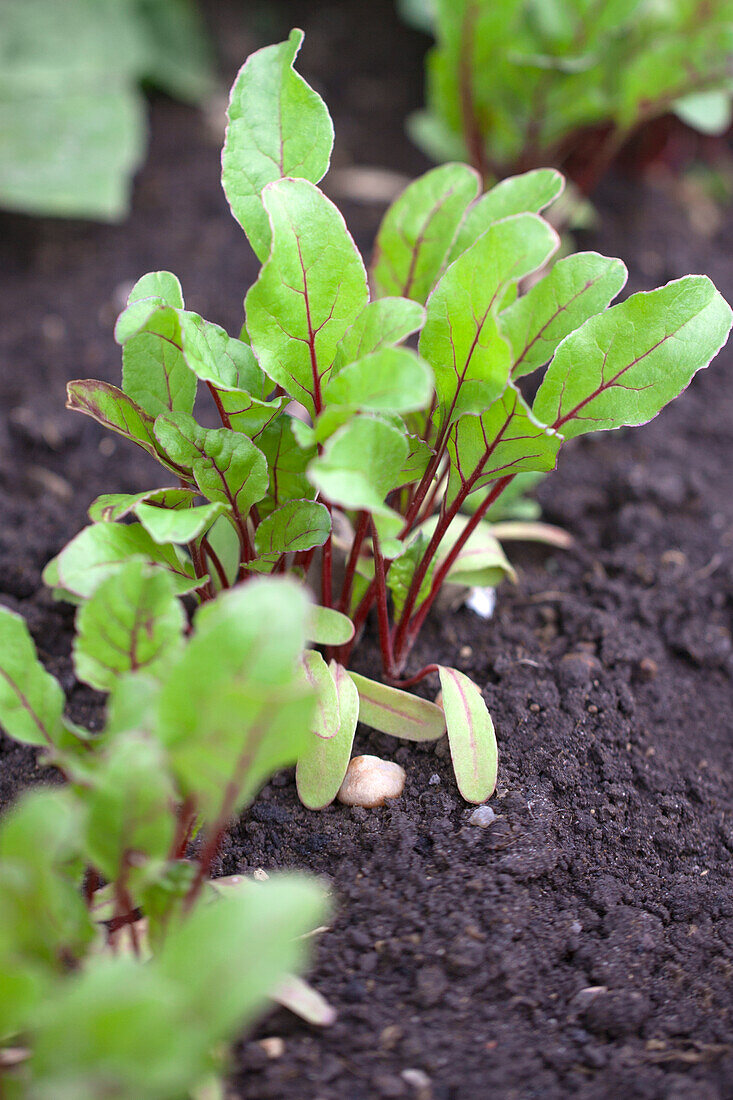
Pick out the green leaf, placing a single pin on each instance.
(481, 561)
(322, 764)
(234, 708)
(506, 440)
(278, 126)
(402, 570)
(295, 525)
(461, 340)
(396, 712)
(326, 626)
(31, 699)
(310, 290)
(215, 356)
(577, 288)
(166, 525)
(470, 735)
(382, 323)
(361, 464)
(318, 676)
(529, 193)
(392, 380)
(255, 933)
(111, 507)
(132, 621)
(287, 462)
(708, 112)
(624, 365)
(113, 409)
(418, 230)
(227, 466)
(97, 553)
(128, 805)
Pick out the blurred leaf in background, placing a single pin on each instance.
(72, 117)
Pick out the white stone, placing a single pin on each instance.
(370, 781)
(483, 816)
(482, 602)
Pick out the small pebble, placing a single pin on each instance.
(434, 780)
(274, 1046)
(369, 782)
(418, 1080)
(483, 816)
(482, 602)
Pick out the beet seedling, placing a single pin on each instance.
(347, 457)
(104, 1002)
(511, 86)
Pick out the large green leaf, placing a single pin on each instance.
(278, 126)
(624, 365)
(461, 340)
(418, 230)
(112, 408)
(31, 699)
(235, 707)
(507, 439)
(470, 735)
(97, 553)
(132, 621)
(323, 762)
(577, 288)
(310, 291)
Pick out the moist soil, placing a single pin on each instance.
(582, 944)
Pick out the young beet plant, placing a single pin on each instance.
(123, 967)
(345, 457)
(520, 83)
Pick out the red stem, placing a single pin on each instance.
(385, 640)
(359, 535)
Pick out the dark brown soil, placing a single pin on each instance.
(582, 945)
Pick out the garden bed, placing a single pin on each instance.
(582, 945)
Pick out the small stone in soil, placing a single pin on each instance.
(434, 780)
(370, 781)
(482, 816)
(274, 1046)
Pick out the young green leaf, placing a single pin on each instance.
(383, 323)
(481, 561)
(529, 193)
(215, 356)
(460, 339)
(113, 409)
(97, 552)
(418, 230)
(31, 699)
(132, 621)
(470, 735)
(361, 464)
(310, 291)
(507, 439)
(326, 626)
(402, 570)
(278, 126)
(155, 374)
(391, 380)
(111, 507)
(227, 466)
(295, 525)
(624, 365)
(181, 526)
(323, 762)
(577, 288)
(318, 676)
(396, 712)
(127, 807)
